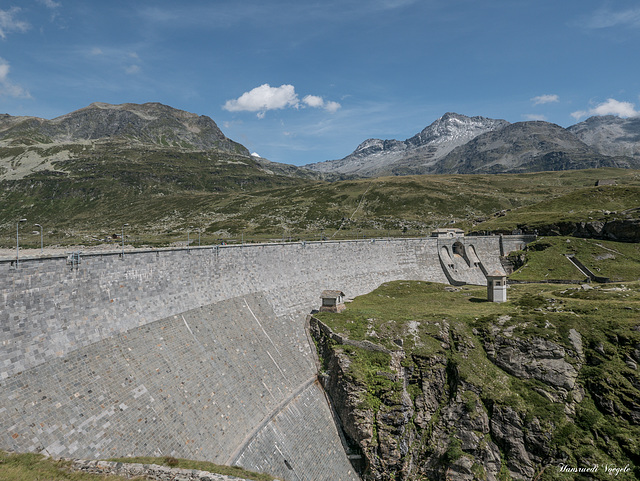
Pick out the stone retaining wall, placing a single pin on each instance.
(151, 471)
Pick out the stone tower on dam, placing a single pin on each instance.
(198, 353)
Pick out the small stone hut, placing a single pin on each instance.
(453, 232)
(332, 301)
(497, 286)
(605, 182)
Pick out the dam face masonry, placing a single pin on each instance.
(196, 353)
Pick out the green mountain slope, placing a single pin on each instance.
(162, 194)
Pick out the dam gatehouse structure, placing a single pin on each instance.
(197, 353)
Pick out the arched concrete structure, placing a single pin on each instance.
(198, 353)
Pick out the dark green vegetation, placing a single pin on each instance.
(28, 467)
(548, 378)
(164, 193)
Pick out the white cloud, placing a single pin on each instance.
(545, 99)
(8, 22)
(264, 98)
(318, 102)
(313, 101)
(332, 106)
(132, 69)
(96, 51)
(605, 18)
(7, 88)
(610, 107)
(50, 3)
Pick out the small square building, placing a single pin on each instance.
(497, 286)
(450, 233)
(332, 301)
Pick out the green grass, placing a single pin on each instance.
(546, 259)
(33, 467)
(160, 193)
(200, 465)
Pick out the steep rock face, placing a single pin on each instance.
(416, 155)
(610, 135)
(533, 358)
(432, 424)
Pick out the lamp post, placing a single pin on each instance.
(123, 226)
(18, 241)
(41, 239)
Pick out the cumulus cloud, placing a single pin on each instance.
(610, 107)
(9, 22)
(545, 99)
(265, 97)
(7, 88)
(320, 103)
(313, 101)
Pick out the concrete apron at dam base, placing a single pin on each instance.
(197, 353)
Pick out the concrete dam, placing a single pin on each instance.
(197, 353)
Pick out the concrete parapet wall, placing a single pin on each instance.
(197, 353)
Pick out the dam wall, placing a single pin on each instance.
(198, 353)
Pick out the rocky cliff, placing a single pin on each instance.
(484, 391)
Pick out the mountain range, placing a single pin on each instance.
(165, 171)
(457, 144)
(125, 131)
(453, 144)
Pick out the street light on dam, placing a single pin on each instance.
(123, 226)
(41, 239)
(18, 241)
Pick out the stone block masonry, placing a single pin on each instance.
(197, 353)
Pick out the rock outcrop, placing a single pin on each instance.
(491, 403)
(622, 230)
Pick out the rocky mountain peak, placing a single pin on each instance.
(375, 157)
(610, 135)
(456, 129)
(150, 123)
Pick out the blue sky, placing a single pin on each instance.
(305, 81)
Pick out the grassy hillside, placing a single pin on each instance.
(162, 194)
(546, 259)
